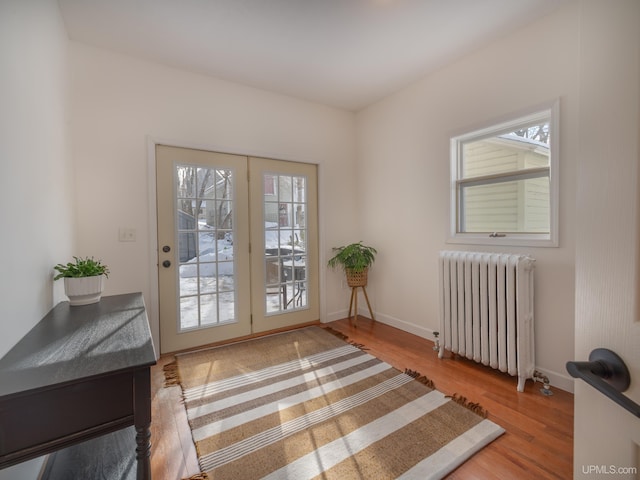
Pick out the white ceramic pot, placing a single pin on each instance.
(84, 290)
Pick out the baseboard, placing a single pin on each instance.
(423, 332)
(333, 316)
(387, 320)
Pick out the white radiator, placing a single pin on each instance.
(486, 310)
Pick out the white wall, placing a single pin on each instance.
(37, 177)
(403, 161)
(119, 102)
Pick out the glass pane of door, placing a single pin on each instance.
(204, 203)
(285, 255)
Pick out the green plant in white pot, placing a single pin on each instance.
(84, 280)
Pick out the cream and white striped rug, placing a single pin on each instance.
(307, 405)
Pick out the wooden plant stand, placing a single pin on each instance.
(354, 300)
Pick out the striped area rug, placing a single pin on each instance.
(307, 405)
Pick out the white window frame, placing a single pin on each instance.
(550, 110)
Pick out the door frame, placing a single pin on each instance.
(153, 302)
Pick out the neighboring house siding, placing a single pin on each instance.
(512, 206)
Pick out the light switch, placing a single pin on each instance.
(127, 234)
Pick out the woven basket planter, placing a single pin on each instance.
(357, 279)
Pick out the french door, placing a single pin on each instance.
(237, 246)
(284, 239)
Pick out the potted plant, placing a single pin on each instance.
(84, 280)
(355, 259)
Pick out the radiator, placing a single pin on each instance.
(486, 310)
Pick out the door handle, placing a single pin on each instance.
(606, 372)
(166, 264)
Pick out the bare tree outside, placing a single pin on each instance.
(539, 133)
(199, 185)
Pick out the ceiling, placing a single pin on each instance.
(343, 53)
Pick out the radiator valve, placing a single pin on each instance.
(546, 387)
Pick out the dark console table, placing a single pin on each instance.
(80, 373)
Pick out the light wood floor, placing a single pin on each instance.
(538, 443)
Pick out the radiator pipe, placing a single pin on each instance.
(546, 386)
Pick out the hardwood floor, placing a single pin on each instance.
(538, 443)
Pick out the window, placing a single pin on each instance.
(504, 182)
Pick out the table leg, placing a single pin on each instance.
(142, 422)
(284, 296)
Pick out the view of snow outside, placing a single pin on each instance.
(207, 286)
